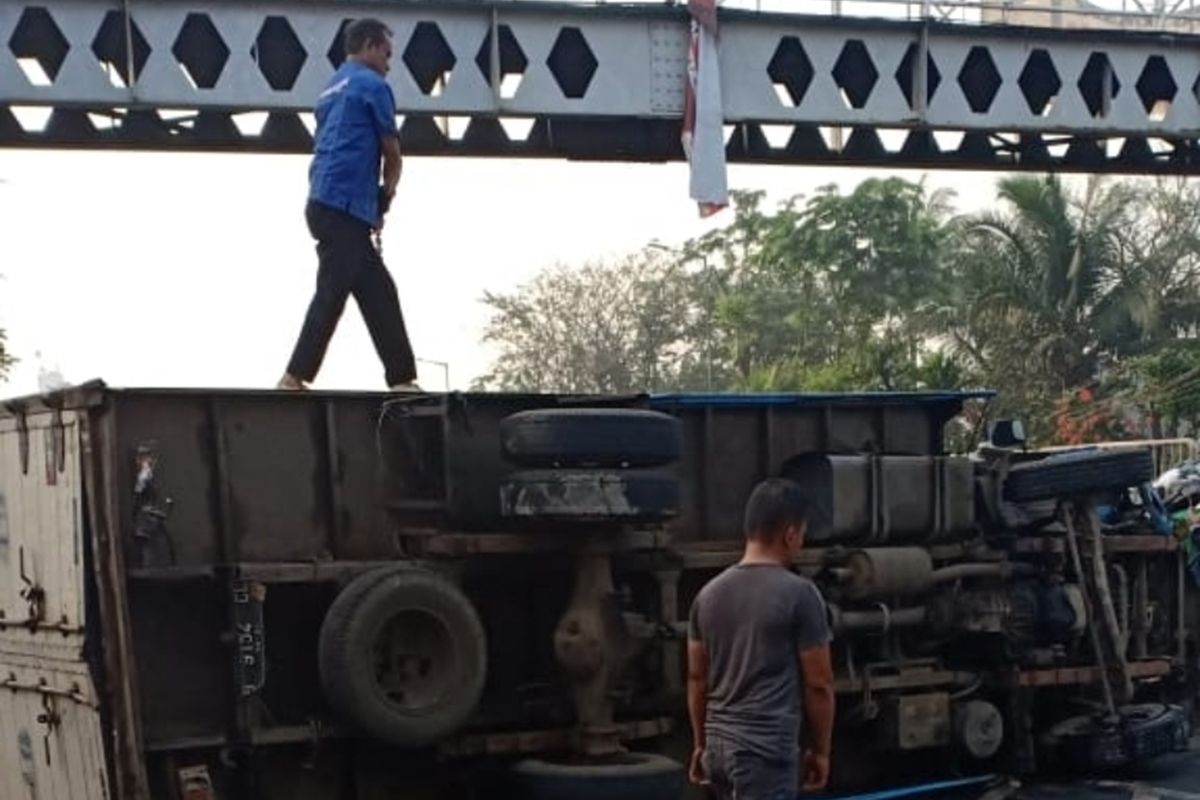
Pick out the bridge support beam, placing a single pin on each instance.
(604, 82)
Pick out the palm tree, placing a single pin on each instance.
(1152, 293)
(1050, 265)
(1050, 290)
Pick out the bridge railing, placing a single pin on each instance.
(1181, 16)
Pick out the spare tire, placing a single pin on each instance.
(402, 655)
(589, 494)
(630, 776)
(1078, 473)
(590, 437)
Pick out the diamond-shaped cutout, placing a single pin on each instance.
(1039, 82)
(109, 47)
(572, 62)
(790, 71)
(905, 76)
(855, 74)
(337, 48)
(1098, 84)
(278, 53)
(511, 57)
(979, 79)
(429, 58)
(200, 51)
(1157, 88)
(39, 45)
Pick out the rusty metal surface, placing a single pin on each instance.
(463, 544)
(1113, 544)
(547, 740)
(907, 679)
(1069, 676)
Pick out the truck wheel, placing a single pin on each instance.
(1143, 731)
(1081, 473)
(402, 656)
(585, 494)
(632, 776)
(590, 437)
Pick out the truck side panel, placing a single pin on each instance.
(51, 742)
(41, 541)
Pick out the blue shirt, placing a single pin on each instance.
(355, 111)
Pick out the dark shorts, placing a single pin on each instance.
(739, 774)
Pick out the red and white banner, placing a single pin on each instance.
(703, 117)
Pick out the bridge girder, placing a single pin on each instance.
(604, 82)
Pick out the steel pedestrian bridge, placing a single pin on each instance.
(951, 85)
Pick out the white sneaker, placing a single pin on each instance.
(411, 386)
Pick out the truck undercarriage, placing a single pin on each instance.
(241, 594)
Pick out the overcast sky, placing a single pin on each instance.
(195, 270)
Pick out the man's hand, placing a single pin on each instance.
(696, 769)
(816, 771)
(390, 146)
(816, 668)
(697, 698)
(385, 200)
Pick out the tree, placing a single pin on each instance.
(1153, 296)
(1052, 292)
(1081, 308)
(825, 293)
(1156, 394)
(625, 327)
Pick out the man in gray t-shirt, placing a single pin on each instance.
(758, 658)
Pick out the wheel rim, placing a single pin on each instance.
(412, 660)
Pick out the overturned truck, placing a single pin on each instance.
(218, 594)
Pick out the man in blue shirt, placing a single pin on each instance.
(356, 130)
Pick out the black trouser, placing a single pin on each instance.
(350, 264)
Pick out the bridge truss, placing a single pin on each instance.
(539, 79)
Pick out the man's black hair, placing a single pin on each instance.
(361, 33)
(774, 504)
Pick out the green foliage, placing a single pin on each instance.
(1054, 291)
(1171, 381)
(1162, 386)
(825, 292)
(1052, 296)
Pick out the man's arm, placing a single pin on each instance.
(816, 668)
(697, 697)
(391, 163)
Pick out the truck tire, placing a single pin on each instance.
(589, 495)
(590, 437)
(1073, 474)
(1143, 731)
(633, 776)
(402, 656)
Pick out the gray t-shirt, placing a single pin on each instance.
(754, 619)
